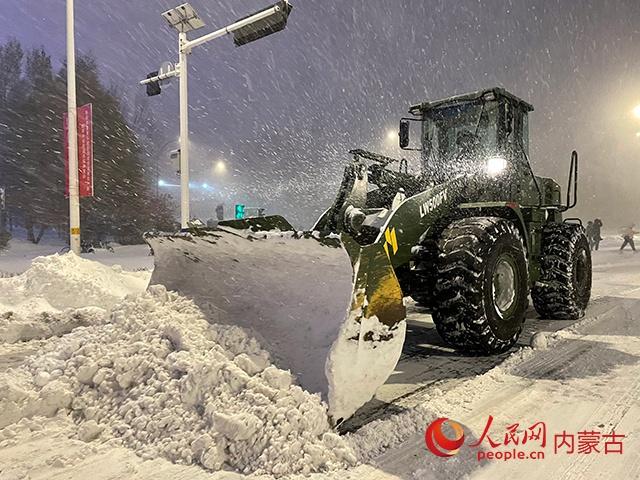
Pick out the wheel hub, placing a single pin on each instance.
(504, 285)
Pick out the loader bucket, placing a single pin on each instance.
(324, 307)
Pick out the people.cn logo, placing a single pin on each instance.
(438, 443)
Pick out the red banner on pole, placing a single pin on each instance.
(85, 150)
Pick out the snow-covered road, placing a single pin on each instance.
(586, 380)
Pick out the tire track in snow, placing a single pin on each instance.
(612, 412)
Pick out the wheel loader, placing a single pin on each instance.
(469, 238)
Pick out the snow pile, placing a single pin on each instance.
(22, 452)
(69, 281)
(156, 376)
(539, 341)
(376, 437)
(40, 302)
(39, 323)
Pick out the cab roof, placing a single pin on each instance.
(496, 92)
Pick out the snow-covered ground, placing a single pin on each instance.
(144, 388)
(18, 257)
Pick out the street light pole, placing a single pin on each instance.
(184, 131)
(74, 193)
(184, 19)
(159, 153)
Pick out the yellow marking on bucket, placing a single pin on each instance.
(390, 240)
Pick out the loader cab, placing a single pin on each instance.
(484, 133)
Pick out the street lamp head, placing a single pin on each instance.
(183, 18)
(258, 29)
(220, 168)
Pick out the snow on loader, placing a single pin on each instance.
(468, 238)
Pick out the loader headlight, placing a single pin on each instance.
(495, 166)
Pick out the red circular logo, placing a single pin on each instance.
(438, 443)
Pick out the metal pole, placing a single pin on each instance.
(74, 194)
(184, 133)
(3, 215)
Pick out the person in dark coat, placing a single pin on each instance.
(597, 228)
(589, 232)
(627, 234)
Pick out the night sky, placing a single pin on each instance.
(283, 111)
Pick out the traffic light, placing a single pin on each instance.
(220, 212)
(153, 88)
(239, 211)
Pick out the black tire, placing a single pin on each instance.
(472, 308)
(564, 288)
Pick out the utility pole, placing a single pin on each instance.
(184, 131)
(185, 19)
(3, 215)
(74, 190)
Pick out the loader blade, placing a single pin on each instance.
(327, 309)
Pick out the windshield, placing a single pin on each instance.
(455, 135)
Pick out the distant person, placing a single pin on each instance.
(627, 235)
(597, 229)
(589, 232)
